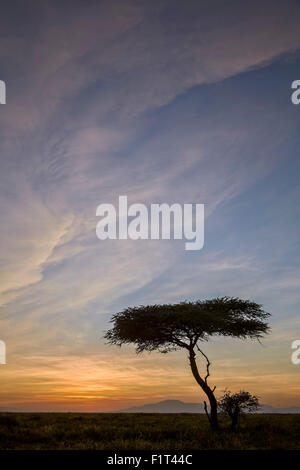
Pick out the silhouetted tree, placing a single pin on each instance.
(184, 325)
(237, 403)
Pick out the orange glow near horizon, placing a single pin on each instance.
(102, 383)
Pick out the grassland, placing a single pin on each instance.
(144, 432)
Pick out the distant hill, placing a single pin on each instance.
(271, 409)
(9, 410)
(177, 406)
(166, 406)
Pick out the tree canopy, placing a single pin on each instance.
(168, 327)
(238, 402)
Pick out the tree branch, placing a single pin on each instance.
(208, 363)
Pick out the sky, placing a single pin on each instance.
(166, 101)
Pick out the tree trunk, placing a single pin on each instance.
(213, 416)
(234, 419)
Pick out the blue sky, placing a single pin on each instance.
(169, 102)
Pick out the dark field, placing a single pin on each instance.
(144, 431)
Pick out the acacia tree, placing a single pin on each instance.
(184, 325)
(234, 404)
